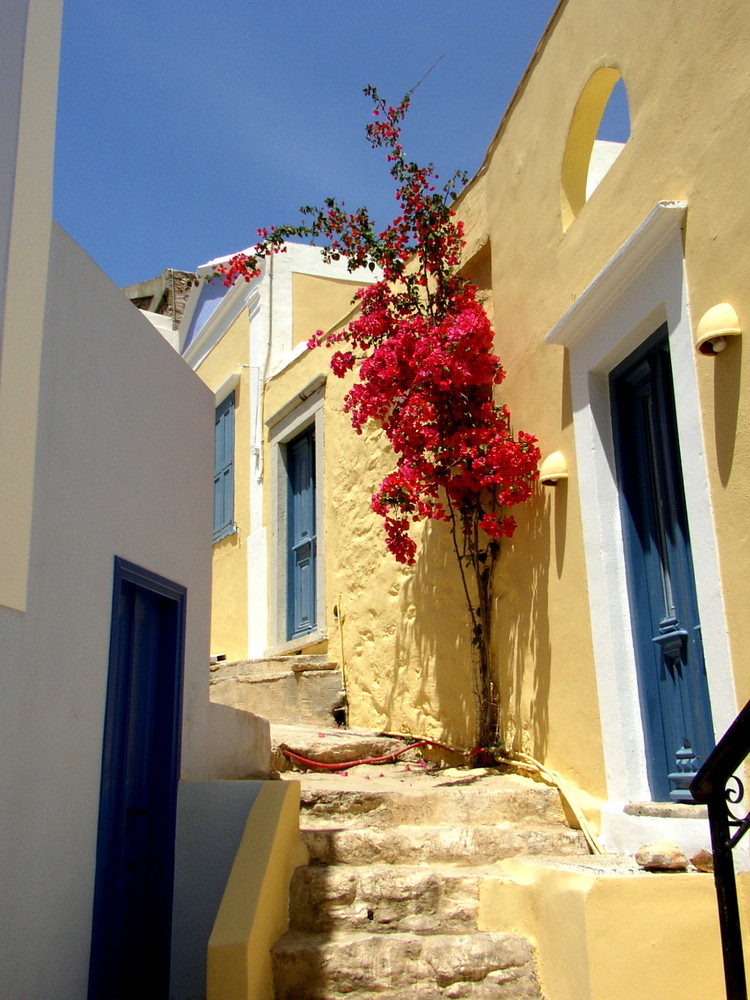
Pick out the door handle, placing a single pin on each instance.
(671, 638)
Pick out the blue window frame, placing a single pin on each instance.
(224, 469)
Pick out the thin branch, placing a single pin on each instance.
(424, 77)
(452, 512)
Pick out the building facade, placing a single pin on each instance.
(269, 561)
(619, 614)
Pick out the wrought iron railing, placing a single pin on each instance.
(716, 784)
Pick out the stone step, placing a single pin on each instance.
(292, 689)
(438, 801)
(329, 746)
(441, 898)
(479, 966)
(412, 845)
(269, 666)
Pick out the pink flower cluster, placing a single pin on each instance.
(429, 385)
(422, 351)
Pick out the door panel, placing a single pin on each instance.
(131, 933)
(301, 538)
(664, 609)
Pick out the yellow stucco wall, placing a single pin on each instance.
(24, 253)
(613, 936)
(680, 104)
(254, 910)
(318, 303)
(406, 650)
(229, 618)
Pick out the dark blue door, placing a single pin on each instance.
(301, 537)
(664, 609)
(131, 933)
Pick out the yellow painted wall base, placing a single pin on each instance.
(613, 935)
(254, 909)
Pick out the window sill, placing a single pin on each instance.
(226, 533)
(304, 642)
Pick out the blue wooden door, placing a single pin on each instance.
(301, 536)
(130, 951)
(664, 610)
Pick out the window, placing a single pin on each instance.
(598, 131)
(224, 469)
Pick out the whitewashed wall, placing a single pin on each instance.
(123, 467)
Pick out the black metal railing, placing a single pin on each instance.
(717, 785)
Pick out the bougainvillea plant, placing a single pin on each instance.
(421, 348)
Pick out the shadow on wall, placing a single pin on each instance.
(726, 405)
(522, 624)
(433, 653)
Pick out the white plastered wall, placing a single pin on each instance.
(642, 287)
(123, 467)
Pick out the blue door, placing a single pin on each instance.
(301, 537)
(130, 949)
(672, 680)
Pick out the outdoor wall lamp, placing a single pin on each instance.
(553, 469)
(718, 323)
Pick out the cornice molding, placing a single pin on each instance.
(634, 256)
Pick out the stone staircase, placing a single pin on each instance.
(388, 905)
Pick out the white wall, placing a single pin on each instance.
(123, 467)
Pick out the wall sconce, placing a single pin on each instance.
(715, 326)
(553, 469)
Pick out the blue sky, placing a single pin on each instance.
(183, 127)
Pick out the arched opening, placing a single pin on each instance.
(599, 129)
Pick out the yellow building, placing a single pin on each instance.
(616, 280)
(621, 619)
(595, 260)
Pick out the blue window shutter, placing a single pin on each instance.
(224, 469)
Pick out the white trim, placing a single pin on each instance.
(633, 257)
(231, 306)
(305, 393)
(643, 286)
(229, 384)
(259, 331)
(274, 283)
(286, 362)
